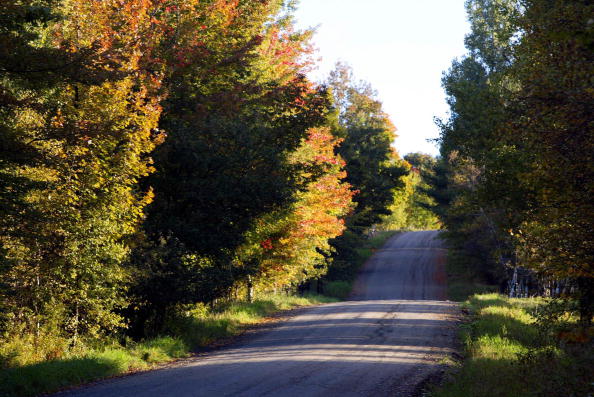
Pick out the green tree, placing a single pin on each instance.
(552, 120)
(478, 174)
(372, 164)
(413, 208)
(516, 178)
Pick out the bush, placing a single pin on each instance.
(21, 348)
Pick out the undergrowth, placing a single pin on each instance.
(32, 365)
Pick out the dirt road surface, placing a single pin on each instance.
(388, 339)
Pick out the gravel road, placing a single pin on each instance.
(384, 342)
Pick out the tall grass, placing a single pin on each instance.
(27, 371)
(506, 355)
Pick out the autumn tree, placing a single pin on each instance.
(80, 111)
(238, 107)
(290, 246)
(373, 166)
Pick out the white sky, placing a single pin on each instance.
(401, 47)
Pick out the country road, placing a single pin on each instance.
(389, 338)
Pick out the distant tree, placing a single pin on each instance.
(413, 208)
(373, 166)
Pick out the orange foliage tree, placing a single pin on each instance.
(291, 245)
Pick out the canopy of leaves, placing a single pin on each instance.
(517, 149)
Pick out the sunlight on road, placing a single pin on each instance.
(392, 336)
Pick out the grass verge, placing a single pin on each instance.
(196, 329)
(506, 355)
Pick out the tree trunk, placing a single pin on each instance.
(250, 289)
(586, 300)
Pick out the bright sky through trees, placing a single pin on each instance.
(400, 47)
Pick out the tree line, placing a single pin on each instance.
(515, 181)
(156, 154)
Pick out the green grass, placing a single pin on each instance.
(49, 376)
(28, 374)
(505, 355)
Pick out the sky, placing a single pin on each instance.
(401, 47)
